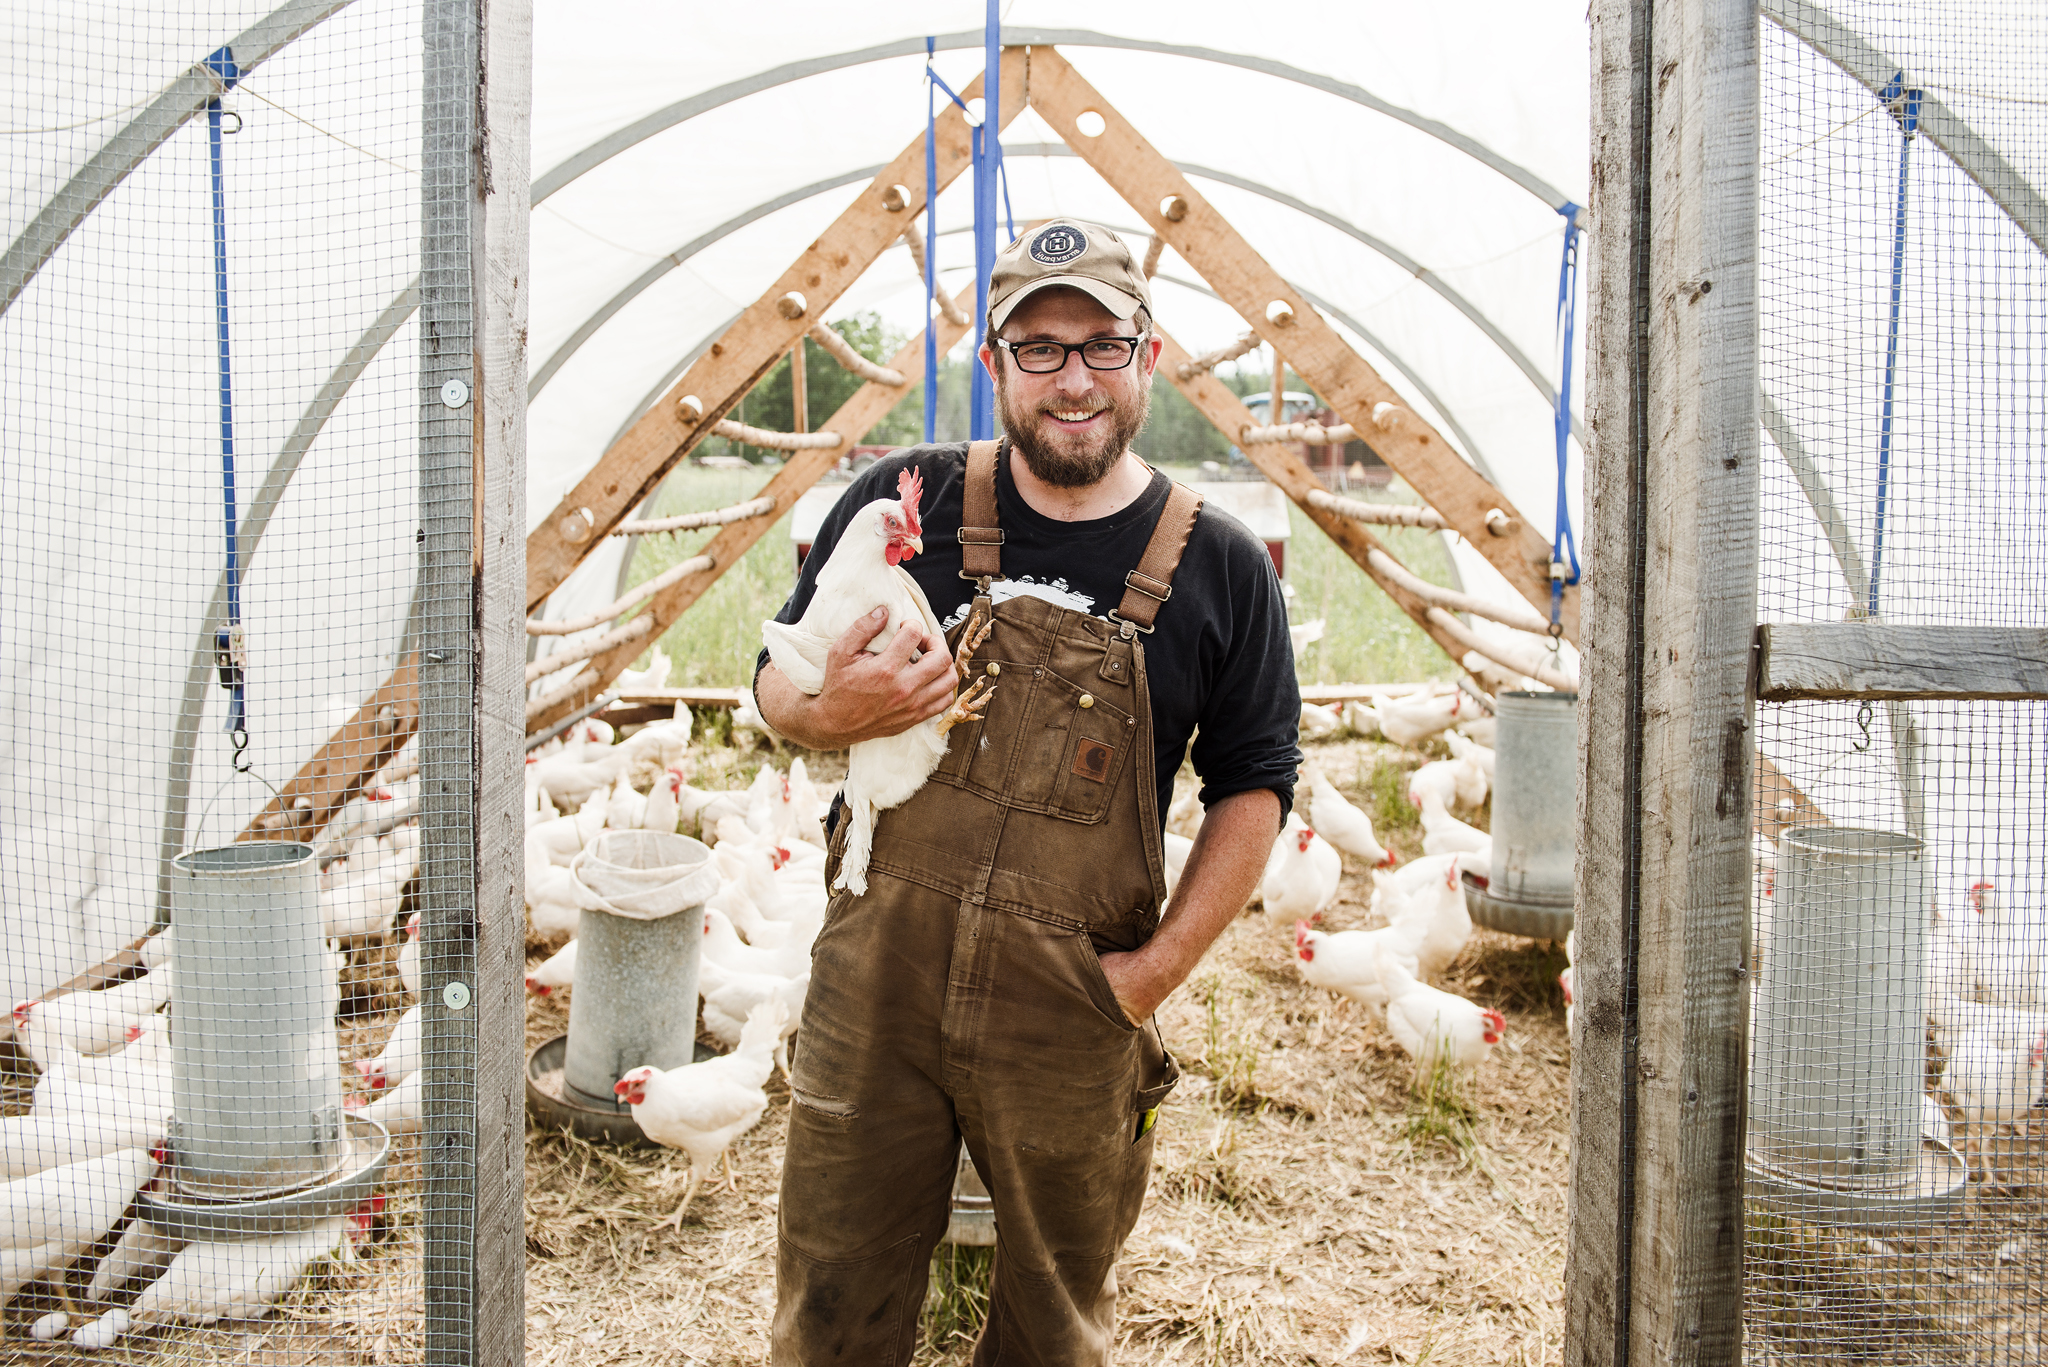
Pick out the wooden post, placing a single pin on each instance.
(1152, 185)
(799, 395)
(1654, 1258)
(471, 610)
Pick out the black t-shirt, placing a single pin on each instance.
(1219, 666)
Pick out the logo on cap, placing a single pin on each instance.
(1058, 245)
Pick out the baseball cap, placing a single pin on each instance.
(1070, 252)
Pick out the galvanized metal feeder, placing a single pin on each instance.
(1535, 814)
(260, 1144)
(637, 958)
(1838, 1038)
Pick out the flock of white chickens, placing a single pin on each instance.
(769, 848)
(1390, 969)
(94, 1135)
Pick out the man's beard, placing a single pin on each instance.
(1071, 461)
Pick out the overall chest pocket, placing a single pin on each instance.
(1075, 749)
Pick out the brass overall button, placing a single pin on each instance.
(1087, 700)
(994, 669)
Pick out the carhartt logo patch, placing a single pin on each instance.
(1091, 760)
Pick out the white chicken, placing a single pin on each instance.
(1411, 721)
(652, 677)
(1458, 782)
(622, 809)
(1301, 882)
(863, 574)
(1429, 1023)
(785, 958)
(35, 1142)
(656, 748)
(1438, 909)
(2007, 952)
(90, 1022)
(1305, 635)
(1464, 748)
(1342, 824)
(365, 895)
(1319, 722)
(701, 1108)
(399, 1058)
(1480, 729)
(1175, 854)
(564, 838)
(1993, 1082)
(51, 1217)
(573, 773)
(409, 955)
(1346, 961)
(1443, 833)
(730, 999)
(398, 1109)
(237, 1279)
(557, 970)
(140, 1251)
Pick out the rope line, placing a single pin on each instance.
(230, 643)
(717, 517)
(1378, 514)
(1564, 549)
(852, 361)
(547, 664)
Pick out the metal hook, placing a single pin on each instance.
(1863, 716)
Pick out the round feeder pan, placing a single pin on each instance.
(1539, 920)
(1931, 1192)
(549, 1103)
(352, 1183)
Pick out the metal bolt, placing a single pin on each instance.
(994, 669)
(455, 996)
(1087, 700)
(436, 657)
(454, 394)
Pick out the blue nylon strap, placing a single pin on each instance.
(1904, 103)
(228, 641)
(981, 408)
(1564, 550)
(931, 239)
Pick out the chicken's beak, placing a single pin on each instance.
(914, 543)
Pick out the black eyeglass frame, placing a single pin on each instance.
(1067, 350)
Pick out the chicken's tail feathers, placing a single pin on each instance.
(860, 841)
(764, 1022)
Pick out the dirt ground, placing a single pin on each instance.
(1305, 1205)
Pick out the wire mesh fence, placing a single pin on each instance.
(1896, 1186)
(240, 513)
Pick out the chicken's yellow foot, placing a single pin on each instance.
(967, 707)
(977, 631)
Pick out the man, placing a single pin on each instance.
(996, 982)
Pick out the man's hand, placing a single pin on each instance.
(1222, 869)
(865, 695)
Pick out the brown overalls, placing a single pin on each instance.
(962, 996)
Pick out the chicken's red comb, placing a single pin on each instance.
(1496, 1020)
(910, 488)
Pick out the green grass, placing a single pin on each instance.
(1367, 639)
(956, 1303)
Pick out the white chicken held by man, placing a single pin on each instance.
(866, 573)
(701, 1108)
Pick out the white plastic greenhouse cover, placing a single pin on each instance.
(1384, 218)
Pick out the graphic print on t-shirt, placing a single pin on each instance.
(1002, 590)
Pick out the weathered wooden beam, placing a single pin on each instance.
(635, 464)
(1281, 465)
(349, 760)
(1879, 662)
(868, 406)
(1667, 746)
(1202, 237)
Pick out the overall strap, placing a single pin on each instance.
(1151, 584)
(981, 540)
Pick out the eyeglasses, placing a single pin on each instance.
(1097, 353)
